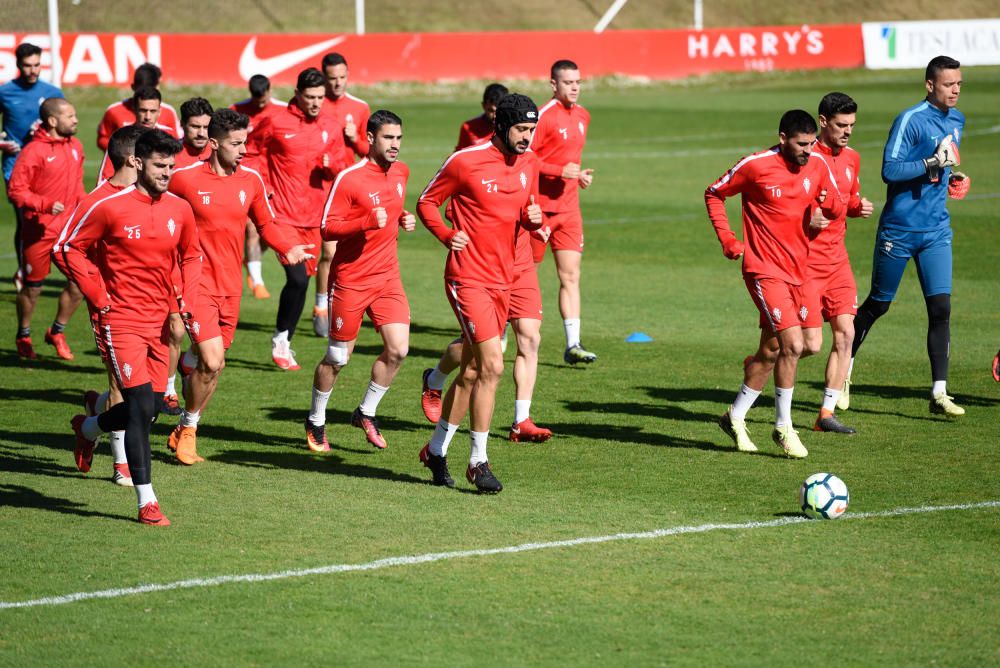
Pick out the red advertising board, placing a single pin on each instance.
(109, 59)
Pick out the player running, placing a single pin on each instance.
(122, 254)
(916, 166)
(303, 151)
(829, 269)
(779, 189)
(351, 113)
(481, 128)
(363, 214)
(492, 189)
(223, 194)
(46, 182)
(140, 108)
(558, 143)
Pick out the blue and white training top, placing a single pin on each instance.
(19, 105)
(912, 202)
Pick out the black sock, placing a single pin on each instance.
(23, 332)
(292, 300)
(939, 334)
(57, 327)
(868, 313)
(139, 402)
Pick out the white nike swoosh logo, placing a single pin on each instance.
(204, 192)
(374, 194)
(486, 182)
(250, 64)
(51, 158)
(287, 136)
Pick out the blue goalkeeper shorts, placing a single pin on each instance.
(931, 251)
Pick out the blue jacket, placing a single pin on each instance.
(912, 202)
(19, 106)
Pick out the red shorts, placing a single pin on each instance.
(138, 352)
(215, 316)
(305, 235)
(385, 304)
(525, 296)
(36, 252)
(481, 312)
(781, 305)
(837, 291)
(567, 233)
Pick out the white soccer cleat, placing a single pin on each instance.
(942, 404)
(844, 400)
(788, 439)
(737, 430)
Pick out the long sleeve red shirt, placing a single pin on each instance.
(489, 201)
(123, 250)
(122, 113)
(48, 170)
(827, 246)
(777, 204)
(344, 107)
(559, 140)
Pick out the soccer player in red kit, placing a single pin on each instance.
(780, 188)
(352, 115)
(223, 194)
(363, 214)
(46, 182)
(480, 128)
(122, 254)
(492, 188)
(257, 107)
(121, 149)
(304, 150)
(829, 268)
(140, 108)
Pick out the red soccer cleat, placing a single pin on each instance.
(284, 356)
(430, 400)
(996, 368)
(316, 437)
(25, 348)
(526, 431)
(122, 476)
(150, 514)
(370, 426)
(60, 344)
(83, 451)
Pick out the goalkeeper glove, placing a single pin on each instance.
(945, 155)
(958, 185)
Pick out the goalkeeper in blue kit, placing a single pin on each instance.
(917, 167)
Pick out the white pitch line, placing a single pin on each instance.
(461, 554)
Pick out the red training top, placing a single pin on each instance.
(345, 108)
(122, 113)
(559, 139)
(474, 131)
(827, 245)
(48, 170)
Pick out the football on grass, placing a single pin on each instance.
(823, 495)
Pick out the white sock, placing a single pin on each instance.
(436, 379)
(317, 412)
(101, 404)
(189, 419)
(280, 337)
(90, 429)
(572, 326)
(743, 402)
(478, 442)
(939, 387)
(322, 300)
(441, 439)
(170, 386)
(145, 494)
(254, 267)
(522, 409)
(783, 406)
(118, 447)
(374, 395)
(830, 397)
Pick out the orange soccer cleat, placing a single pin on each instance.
(183, 441)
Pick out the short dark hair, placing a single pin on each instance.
(196, 106)
(122, 143)
(939, 63)
(562, 65)
(259, 85)
(310, 78)
(49, 107)
(334, 58)
(146, 74)
(494, 93)
(380, 118)
(156, 141)
(225, 121)
(837, 103)
(26, 49)
(146, 93)
(797, 122)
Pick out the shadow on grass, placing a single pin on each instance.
(17, 496)
(662, 411)
(15, 462)
(9, 359)
(48, 395)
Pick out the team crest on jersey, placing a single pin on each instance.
(127, 370)
(399, 190)
(803, 313)
(524, 181)
(171, 226)
(339, 323)
(325, 136)
(776, 314)
(472, 328)
(582, 130)
(887, 247)
(807, 184)
(243, 197)
(196, 327)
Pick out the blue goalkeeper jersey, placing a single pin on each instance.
(913, 202)
(19, 105)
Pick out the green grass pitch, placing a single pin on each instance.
(636, 447)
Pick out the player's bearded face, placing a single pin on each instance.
(336, 80)
(310, 100)
(837, 129)
(231, 148)
(386, 143)
(155, 172)
(944, 90)
(797, 148)
(519, 137)
(30, 68)
(196, 131)
(66, 122)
